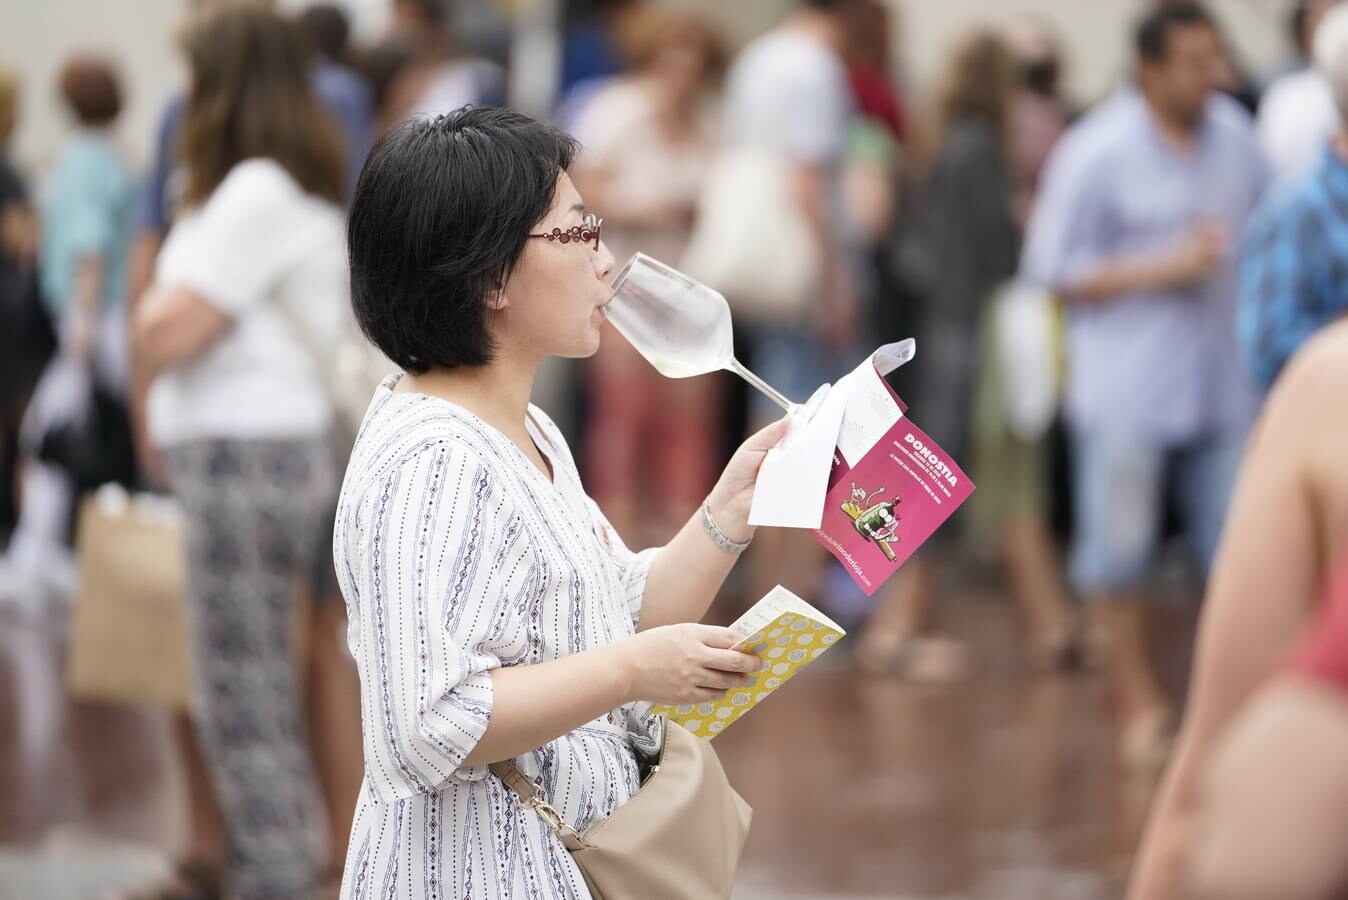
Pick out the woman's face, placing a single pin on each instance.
(553, 295)
(683, 64)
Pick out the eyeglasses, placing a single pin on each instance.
(588, 231)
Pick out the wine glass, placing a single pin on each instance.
(681, 326)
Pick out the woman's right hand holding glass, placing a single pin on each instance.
(686, 663)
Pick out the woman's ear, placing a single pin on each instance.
(499, 301)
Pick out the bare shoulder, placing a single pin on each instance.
(1312, 392)
(1306, 421)
(1319, 368)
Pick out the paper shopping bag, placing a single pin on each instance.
(128, 641)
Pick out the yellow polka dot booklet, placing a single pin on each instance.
(786, 634)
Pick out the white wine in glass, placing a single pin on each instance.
(681, 326)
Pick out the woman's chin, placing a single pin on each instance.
(592, 345)
(598, 333)
(587, 345)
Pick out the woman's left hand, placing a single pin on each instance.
(734, 492)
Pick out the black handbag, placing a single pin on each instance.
(96, 448)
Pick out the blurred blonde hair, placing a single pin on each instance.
(979, 82)
(649, 31)
(9, 102)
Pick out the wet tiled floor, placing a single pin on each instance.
(1000, 788)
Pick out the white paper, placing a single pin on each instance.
(889, 357)
(871, 408)
(871, 412)
(793, 480)
(767, 610)
(855, 414)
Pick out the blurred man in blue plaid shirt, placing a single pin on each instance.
(1294, 265)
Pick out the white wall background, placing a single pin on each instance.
(37, 35)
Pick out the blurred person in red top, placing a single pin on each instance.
(1275, 789)
(867, 57)
(875, 138)
(647, 140)
(1288, 524)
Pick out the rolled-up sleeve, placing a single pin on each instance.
(449, 561)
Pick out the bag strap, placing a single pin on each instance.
(532, 797)
(324, 358)
(321, 357)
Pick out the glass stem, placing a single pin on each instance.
(768, 391)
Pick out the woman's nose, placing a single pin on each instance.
(603, 261)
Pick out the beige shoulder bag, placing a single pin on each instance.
(679, 838)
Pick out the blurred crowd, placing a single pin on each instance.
(1126, 325)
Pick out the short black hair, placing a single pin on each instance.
(441, 213)
(1152, 38)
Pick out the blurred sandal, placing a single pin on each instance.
(1053, 651)
(918, 658)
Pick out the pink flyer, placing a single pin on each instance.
(878, 512)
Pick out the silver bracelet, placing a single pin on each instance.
(718, 536)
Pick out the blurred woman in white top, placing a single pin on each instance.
(252, 275)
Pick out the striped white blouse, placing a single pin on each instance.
(456, 555)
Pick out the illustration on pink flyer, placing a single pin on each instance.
(878, 512)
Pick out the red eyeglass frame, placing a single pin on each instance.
(589, 230)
